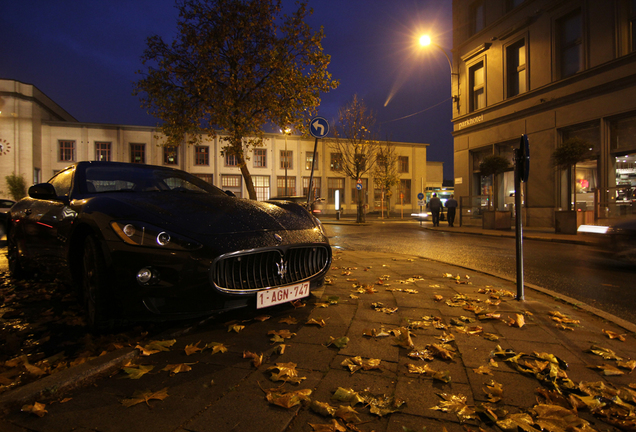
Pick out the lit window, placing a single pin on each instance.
(286, 157)
(286, 186)
(261, 186)
(309, 159)
(477, 87)
(202, 155)
(138, 153)
(336, 161)
(516, 68)
(102, 151)
(170, 155)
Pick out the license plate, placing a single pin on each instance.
(280, 295)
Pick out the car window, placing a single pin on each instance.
(62, 182)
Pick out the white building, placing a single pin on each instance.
(39, 138)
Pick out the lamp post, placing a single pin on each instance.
(425, 40)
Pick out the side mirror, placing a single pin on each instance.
(43, 191)
(230, 193)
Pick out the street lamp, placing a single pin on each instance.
(425, 40)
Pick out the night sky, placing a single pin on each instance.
(84, 55)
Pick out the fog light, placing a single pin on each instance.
(163, 238)
(144, 276)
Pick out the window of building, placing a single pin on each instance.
(309, 159)
(570, 44)
(102, 151)
(208, 178)
(138, 153)
(233, 183)
(405, 191)
(260, 158)
(516, 68)
(511, 4)
(171, 155)
(202, 155)
(315, 189)
(67, 150)
(261, 186)
(231, 160)
(286, 186)
(286, 157)
(37, 175)
(336, 162)
(403, 164)
(364, 191)
(632, 25)
(477, 88)
(477, 17)
(333, 185)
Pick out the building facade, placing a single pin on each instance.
(552, 70)
(39, 138)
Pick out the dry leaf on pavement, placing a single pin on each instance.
(192, 348)
(614, 335)
(216, 347)
(145, 396)
(137, 371)
(177, 368)
(36, 409)
(257, 359)
(281, 398)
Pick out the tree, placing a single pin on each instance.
(17, 186)
(494, 165)
(236, 65)
(385, 172)
(355, 141)
(565, 157)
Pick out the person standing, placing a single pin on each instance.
(435, 205)
(451, 205)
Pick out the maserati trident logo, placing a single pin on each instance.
(282, 268)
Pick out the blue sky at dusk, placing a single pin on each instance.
(84, 55)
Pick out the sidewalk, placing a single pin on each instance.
(488, 353)
(535, 233)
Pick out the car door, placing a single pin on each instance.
(48, 221)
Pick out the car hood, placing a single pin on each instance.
(208, 214)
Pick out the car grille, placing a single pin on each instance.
(270, 268)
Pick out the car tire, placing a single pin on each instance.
(13, 257)
(94, 283)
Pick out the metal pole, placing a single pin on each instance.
(311, 176)
(286, 163)
(518, 226)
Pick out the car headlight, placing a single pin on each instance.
(143, 234)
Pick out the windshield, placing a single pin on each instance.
(102, 179)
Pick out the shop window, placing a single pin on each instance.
(623, 134)
(315, 187)
(261, 186)
(405, 191)
(286, 186)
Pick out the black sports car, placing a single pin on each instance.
(144, 241)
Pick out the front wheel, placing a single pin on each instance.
(94, 283)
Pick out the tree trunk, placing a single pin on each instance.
(249, 184)
(360, 216)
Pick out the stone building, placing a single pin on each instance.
(39, 138)
(552, 70)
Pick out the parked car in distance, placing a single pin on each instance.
(5, 205)
(150, 242)
(316, 206)
(619, 240)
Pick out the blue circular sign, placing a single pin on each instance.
(318, 127)
(359, 186)
(420, 196)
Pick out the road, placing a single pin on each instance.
(572, 270)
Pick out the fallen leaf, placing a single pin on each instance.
(347, 413)
(216, 347)
(192, 348)
(494, 390)
(518, 322)
(347, 395)
(339, 343)
(483, 370)
(262, 318)
(334, 426)
(322, 408)
(289, 320)
(614, 335)
(319, 323)
(356, 363)
(606, 353)
(235, 328)
(137, 371)
(145, 396)
(36, 409)
(455, 404)
(283, 399)
(285, 372)
(257, 359)
(177, 368)
(426, 370)
(608, 370)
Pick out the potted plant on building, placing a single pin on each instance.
(565, 157)
(495, 165)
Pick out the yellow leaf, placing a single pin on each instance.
(614, 335)
(334, 426)
(262, 318)
(137, 371)
(176, 368)
(36, 409)
(257, 359)
(193, 348)
(235, 327)
(216, 347)
(145, 396)
(287, 399)
(313, 321)
(289, 320)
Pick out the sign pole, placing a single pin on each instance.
(522, 167)
(311, 176)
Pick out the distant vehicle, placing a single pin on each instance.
(150, 242)
(316, 206)
(619, 241)
(5, 205)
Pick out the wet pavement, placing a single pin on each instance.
(493, 363)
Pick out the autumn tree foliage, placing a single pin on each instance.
(355, 141)
(236, 65)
